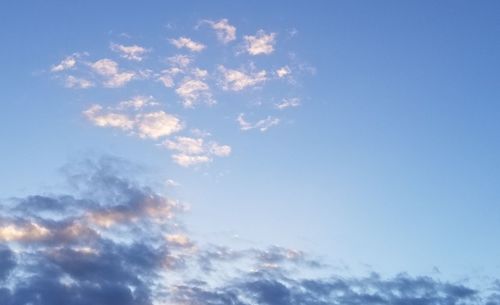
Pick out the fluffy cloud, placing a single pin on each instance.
(157, 124)
(262, 125)
(193, 91)
(192, 151)
(225, 32)
(76, 82)
(110, 70)
(288, 103)
(283, 71)
(184, 42)
(152, 125)
(261, 43)
(67, 63)
(133, 52)
(236, 80)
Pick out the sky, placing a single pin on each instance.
(263, 152)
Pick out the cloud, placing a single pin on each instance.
(184, 42)
(262, 125)
(66, 64)
(114, 241)
(152, 125)
(110, 70)
(193, 151)
(157, 124)
(225, 32)
(288, 103)
(261, 43)
(133, 52)
(110, 119)
(192, 91)
(75, 82)
(236, 80)
(283, 71)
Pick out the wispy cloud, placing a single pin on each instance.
(260, 43)
(288, 103)
(193, 151)
(262, 125)
(283, 71)
(192, 91)
(110, 70)
(66, 64)
(236, 80)
(132, 52)
(77, 82)
(225, 32)
(184, 42)
(152, 125)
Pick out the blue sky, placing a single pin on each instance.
(363, 133)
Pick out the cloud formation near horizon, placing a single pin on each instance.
(112, 241)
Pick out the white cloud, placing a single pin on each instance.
(109, 69)
(225, 32)
(192, 151)
(151, 125)
(194, 90)
(116, 120)
(180, 60)
(133, 52)
(283, 71)
(288, 103)
(187, 145)
(184, 42)
(137, 102)
(157, 124)
(187, 160)
(261, 43)
(75, 82)
(262, 125)
(67, 63)
(236, 80)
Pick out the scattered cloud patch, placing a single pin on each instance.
(76, 82)
(132, 52)
(288, 103)
(184, 42)
(193, 91)
(110, 70)
(225, 32)
(66, 64)
(236, 80)
(193, 151)
(283, 71)
(260, 44)
(262, 125)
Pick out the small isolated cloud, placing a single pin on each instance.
(76, 82)
(193, 151)
(152, 125)
(262, 125)
(225, 32)
(193, 91)
(133, 52)
(65, 64)
(157, 124)
(110, 70)
(261, 43)
(288, 103)
(236, 80)
(184, 42)
(283, 71)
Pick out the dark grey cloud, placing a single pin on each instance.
(106, 243)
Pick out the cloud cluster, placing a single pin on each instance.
(191, 151)
(188, 73)
(150, 124)
(112, 241)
